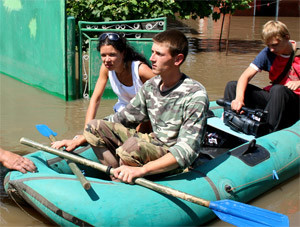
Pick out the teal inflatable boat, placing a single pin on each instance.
(233, 166)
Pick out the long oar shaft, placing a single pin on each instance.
(103, 168)
(75, 169)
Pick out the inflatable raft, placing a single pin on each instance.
(240, 168)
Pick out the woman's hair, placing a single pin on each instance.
(275, 29)
(176, 40)
(120, 43)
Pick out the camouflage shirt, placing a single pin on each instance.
(178, 116)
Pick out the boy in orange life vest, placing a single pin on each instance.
(282, 98)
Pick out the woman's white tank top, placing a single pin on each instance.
(124, 93)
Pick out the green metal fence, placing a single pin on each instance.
(139, 33)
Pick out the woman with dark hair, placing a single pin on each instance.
(126, 70)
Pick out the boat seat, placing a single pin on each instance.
(218, 123)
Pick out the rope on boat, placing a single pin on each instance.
(251, 182)
(9, 191)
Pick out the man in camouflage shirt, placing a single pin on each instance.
(176, 106)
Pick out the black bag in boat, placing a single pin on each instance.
(243, 123)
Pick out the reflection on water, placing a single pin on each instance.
(212, 45)
(22, 107)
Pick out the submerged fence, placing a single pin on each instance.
(37, 45)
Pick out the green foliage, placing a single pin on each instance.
(229, 6)
(116, 10)
(193, 9)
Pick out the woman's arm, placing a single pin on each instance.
(97, 94)
(90, 114)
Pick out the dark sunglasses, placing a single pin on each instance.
(110, 36)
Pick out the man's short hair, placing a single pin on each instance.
(275, 29)
(176, 40)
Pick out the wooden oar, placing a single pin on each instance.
(233, 212)
(46, 131)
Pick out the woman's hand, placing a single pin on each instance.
(69, 145)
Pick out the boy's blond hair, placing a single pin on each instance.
(275, 29)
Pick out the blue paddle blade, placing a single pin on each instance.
(45, 130)
(240, 214)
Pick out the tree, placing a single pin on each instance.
(115, 10)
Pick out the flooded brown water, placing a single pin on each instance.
(22, 107)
